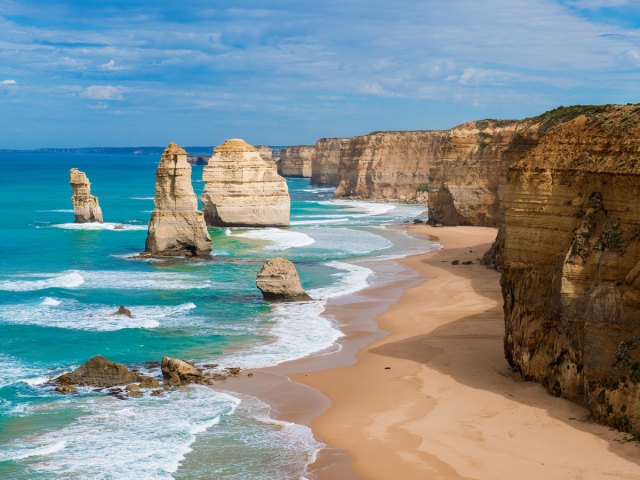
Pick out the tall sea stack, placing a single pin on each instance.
(176, 227)
(242, 189)
(85, 206)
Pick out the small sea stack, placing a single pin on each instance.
(176, 227)
(278, 280)
(242, 189)
(85, 206)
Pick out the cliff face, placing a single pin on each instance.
(571, 273)
(176, 227)
(325, 164)
(85, 206)
(242, 189)
(296, 161)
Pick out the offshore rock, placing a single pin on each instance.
(122, 311)
(176, 227)
(85, 206)
(571, 259)
(278, 280)
(99, 372)
(178, 372)
(242, 189)
(296, 161)
(325, 163)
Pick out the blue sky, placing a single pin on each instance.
(142, 72)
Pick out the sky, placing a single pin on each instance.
(283, 72)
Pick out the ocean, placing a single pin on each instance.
(60, 282)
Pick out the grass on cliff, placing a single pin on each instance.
(560, 115)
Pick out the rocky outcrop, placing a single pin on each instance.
(296, 161)
(122, 312)
(242, 189)
(571, 259)
(266, 153)
(178, 372)
(85, 206)
(278, 280)
(176, 227)
(325, 163)
(100, 372)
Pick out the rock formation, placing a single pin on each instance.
(178, 372)
(100, 372)
(571, 253)
(123, 312)
(278, 280)
(85, 206)
(176, 227)
(266, 153)
(296, 161)
(242, 189)
(325, 163)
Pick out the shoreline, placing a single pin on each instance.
(448, 406)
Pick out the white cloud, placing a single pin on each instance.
(110, 66)
(8, 82)
(104, 92)
(374, 88)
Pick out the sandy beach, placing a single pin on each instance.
(436, 399)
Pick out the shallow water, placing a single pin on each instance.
(59, 283)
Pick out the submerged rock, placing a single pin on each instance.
(278, 280)
(178, 372)
(176, 227)
(99, 372)
(243, 189)
(85, 206)
(124, 311)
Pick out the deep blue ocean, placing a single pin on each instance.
(59, 283)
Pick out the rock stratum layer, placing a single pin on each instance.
(85, 206)
(325, 163)
(296, 161)
(242, 189)
(571, 253)
(176, 227)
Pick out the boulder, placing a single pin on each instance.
(278, 280)
(178, 372)
(85, 206)
(243, 189)
(176, 227)
(66, 389)
(99, 372)
(149, 382)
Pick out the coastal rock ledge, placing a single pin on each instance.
(278, 280)
(243, 189)
(100, 372)
(176, 227)
(85, 206)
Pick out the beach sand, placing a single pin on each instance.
(421, 389)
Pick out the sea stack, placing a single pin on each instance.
(85, 206)
(176, 227)
(278, 280)
(325, 163)
(243, 190)
(296, 161)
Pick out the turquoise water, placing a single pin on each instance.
(59, 283)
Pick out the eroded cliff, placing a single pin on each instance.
(296, 161)
(571, 259)
(325, 164)
(243, 189)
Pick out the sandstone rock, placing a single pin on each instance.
(233, 370)
(134, 394)
(124, 311)
(242, 189)
(85, 206)
(156, 393)
(570, 252)
(99, 372)
(133, 387)
(148, 382)
(296, 161)
(178, 372)
(278, 280)
(266, 153)
(66, 389)
(325, 162)
(176, 227)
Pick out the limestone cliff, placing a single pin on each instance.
(571, 273)
(176, 227)
(242, 189)
(85, 206)
(266, 153)
(325, 163)
(296, 161)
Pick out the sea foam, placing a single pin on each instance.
(118, 227)
(279, 239)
